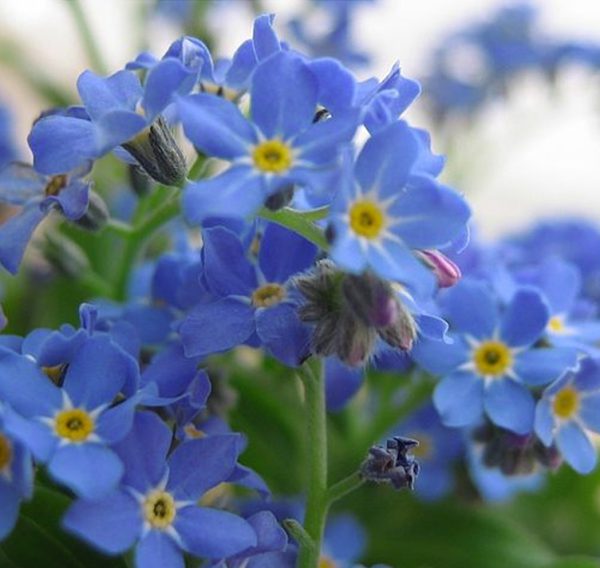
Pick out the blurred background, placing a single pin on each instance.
(532, 155)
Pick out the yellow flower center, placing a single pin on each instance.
(74, 424)
(492, 358)
(159, 509)
(366, 219)
(6, 453)
(566, 403)
(556, 324)
(55, 184)
(272, 156)
(54, 373)
(326, 562)
(268, 295)
(192, 432)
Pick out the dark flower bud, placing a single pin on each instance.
(65, 256)
(96, 214)
(402, 332)
(281, 199)
(158, 154)
(392, 464)
(139, 180)
(372, 299)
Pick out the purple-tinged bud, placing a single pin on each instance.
(371, 299)
(402, 333)
(445, 271)
(392, 464)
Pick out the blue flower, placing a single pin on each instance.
(254, 305)
(37, 194)
(156, 507)
(117, 111)
(279, 146)
(225, 78)
(438, 450)
(8, 150)
(71, 428)
(384, 209)
(493, 358)
(568, 413)
(16, 475)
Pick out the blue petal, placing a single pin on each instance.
(284, 96)
(459, 399)
(227, 269)
(561, 284)
(544, 421)
(116, 422)
(439, 357)
(345, 539)
(170, 370)
(37, 437)
(264, 38)
(242, 65)
(428, 214)
(216, 126)
(199, 465)
(386, 159)
(576, 448)
(112, 524)
(144, 469)
(158, 550)
(61, 143)
(346, 250)
(337, 85)
(283, 334)
(509, 405)
(213, 534)
(101, 95)
(470, 308)
(269, 533)
(538, 367)
(90, 470)
(236, 193)
(26, 388)
(525, 318)
(16, 233)
(236, 325)
(117, 127)
(72, 200)
(19, 183)
(341, 383)
(9, 505)
(588, 412)
(164, 80)
(98, 372)
(299, 253)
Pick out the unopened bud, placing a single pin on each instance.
(371, 299)
(392, 464)
(280, 199)
(65, 256)
(446, 272)
(96, 214)
(139, 180)
(402, 333)
(159, 155)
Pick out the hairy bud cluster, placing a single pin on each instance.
(351, 312)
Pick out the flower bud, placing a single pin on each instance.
(281, 199)
(371, 299)
(446, 272)
(65, 256)
(139, 180)
(392, 464)
(96, 214)
(402, 333)
(158, 154)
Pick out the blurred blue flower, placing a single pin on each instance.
(38, 195)
(568, 413)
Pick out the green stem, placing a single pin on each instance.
(118, 227)
(138, 237)
(299, 222)
(297, 531)
(344, 487)
(95, 284)
(87, 37)
(316, 498)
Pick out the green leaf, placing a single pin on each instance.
(575, 562)
(38, 540)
